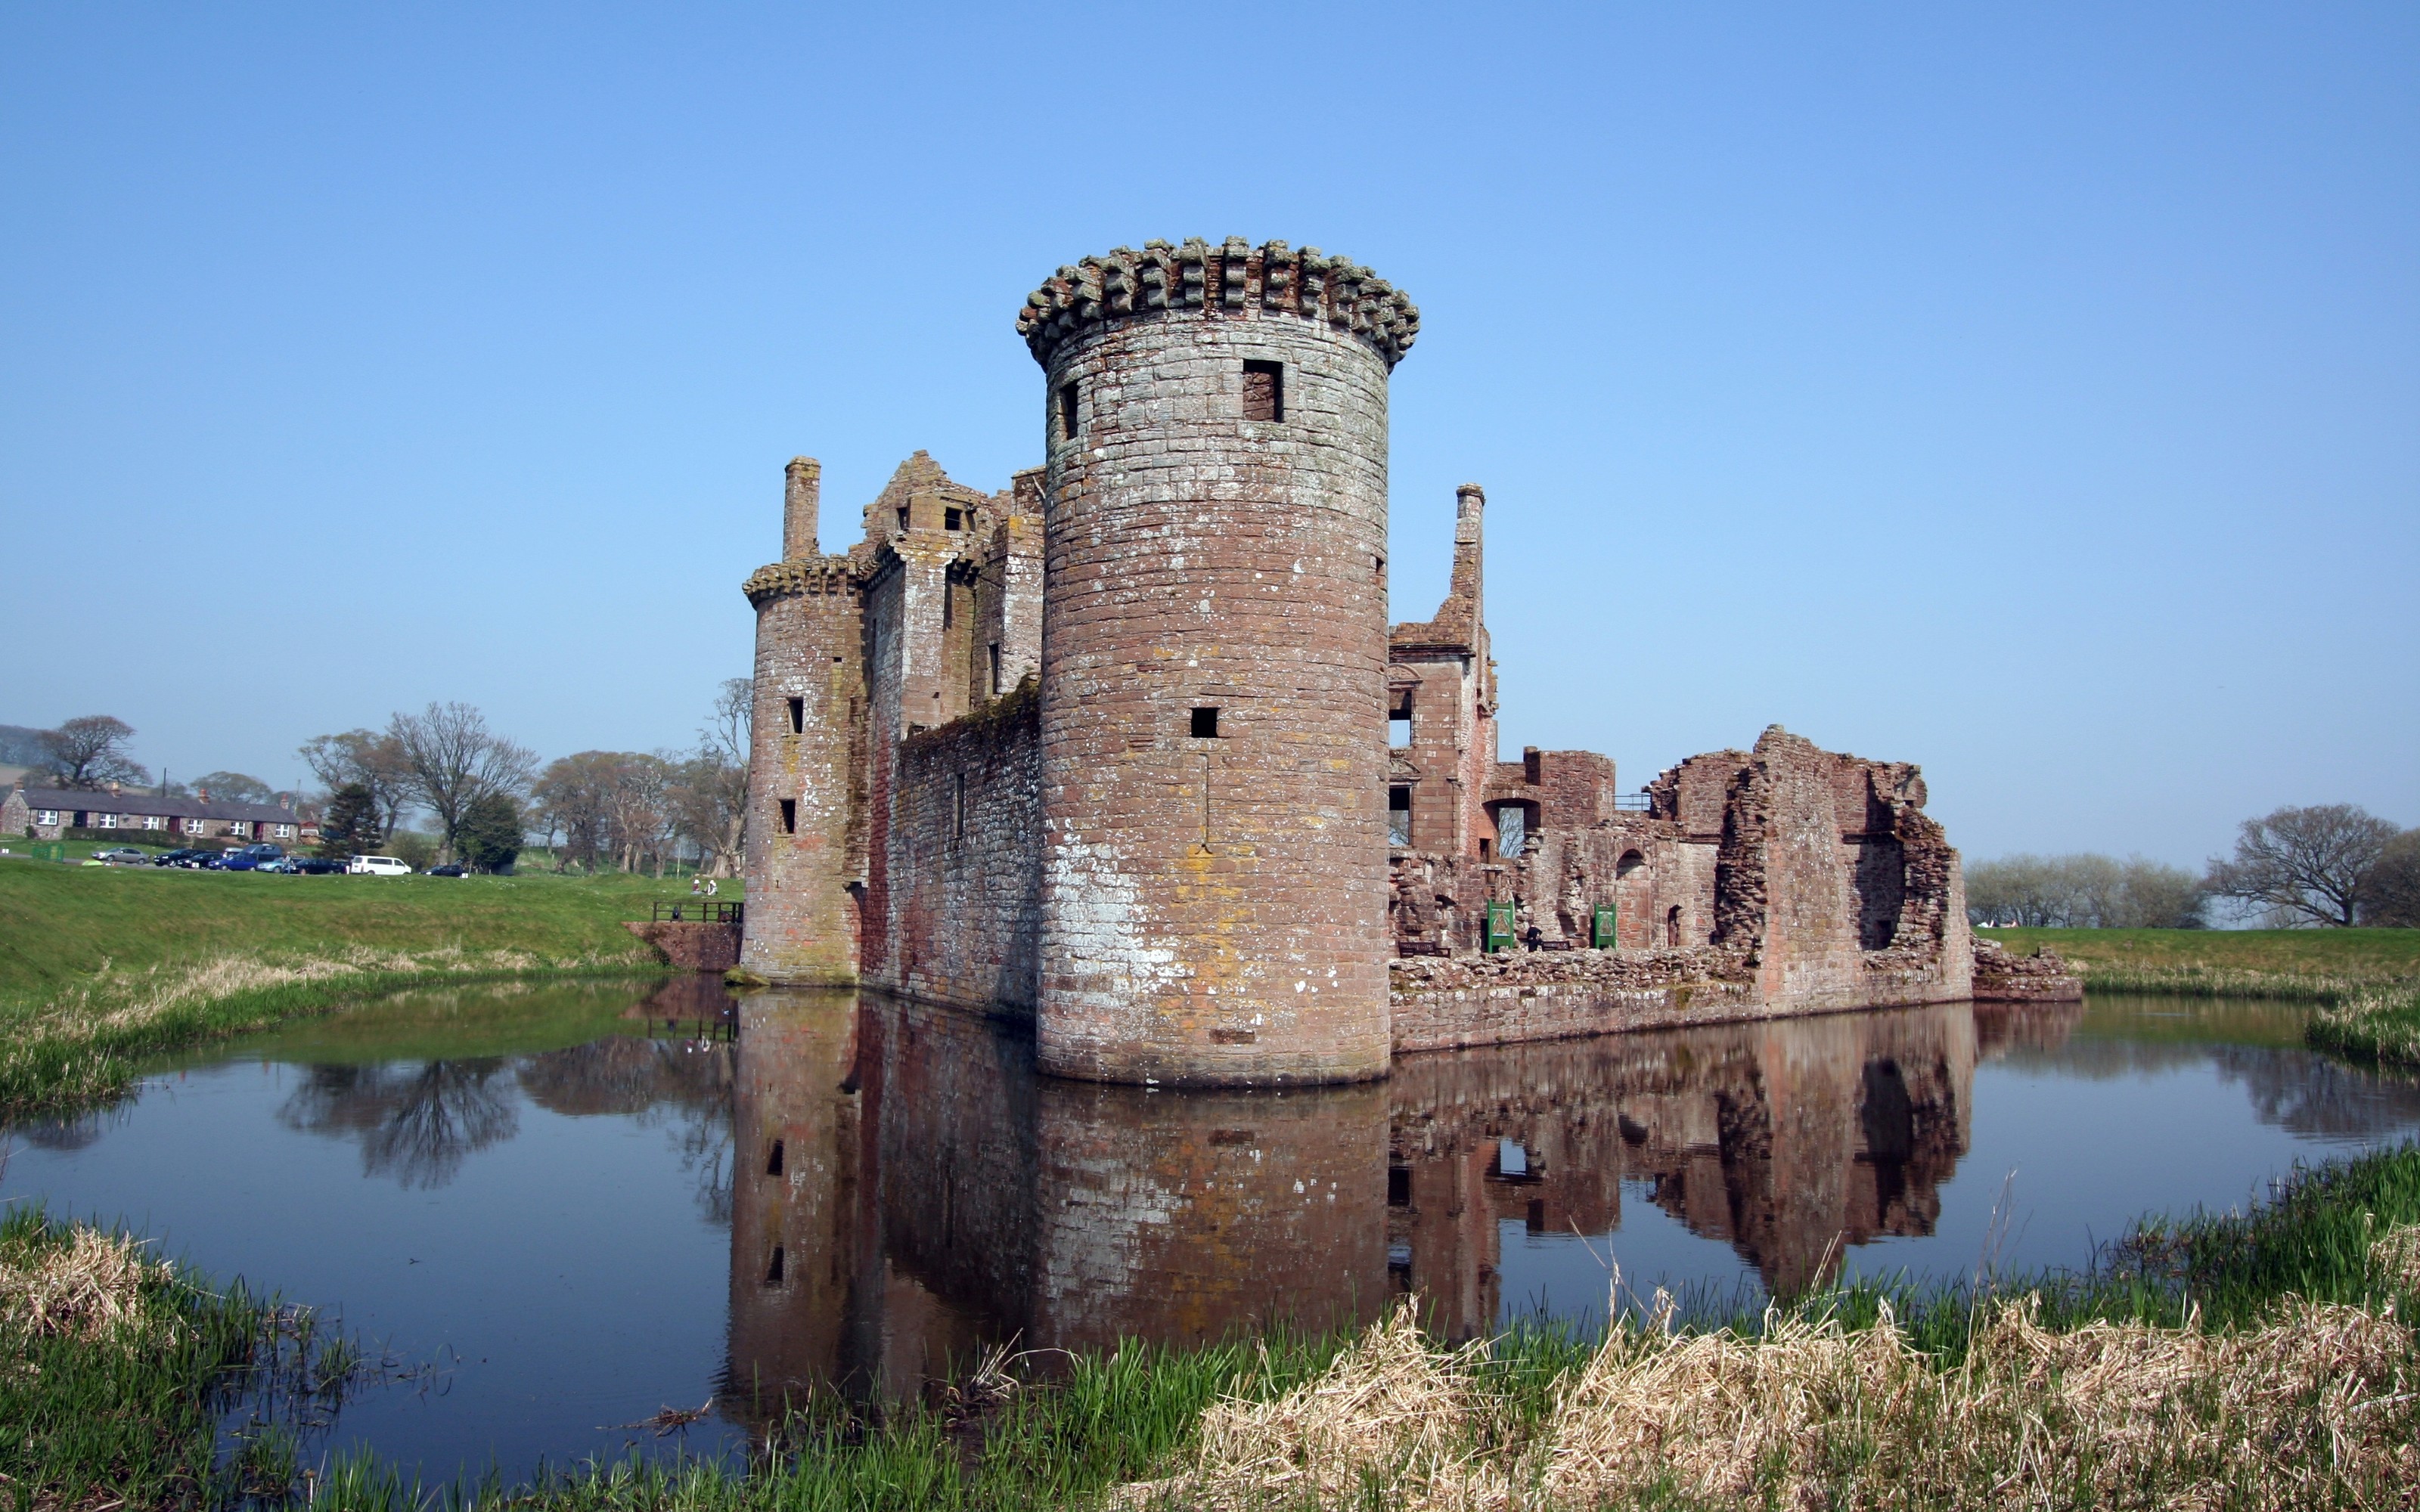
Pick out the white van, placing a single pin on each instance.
(377, 866)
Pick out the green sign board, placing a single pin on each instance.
(51, 850)
(1499, 928)
(1602, 933)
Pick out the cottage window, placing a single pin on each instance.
(1264, 391)
(153, 821)
(46, 816)
(286, 832)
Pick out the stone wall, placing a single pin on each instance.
(964, 895)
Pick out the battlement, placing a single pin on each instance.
(1233, 279)
(809, 577)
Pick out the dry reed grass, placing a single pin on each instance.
(89, 1286)
(2314, 1407)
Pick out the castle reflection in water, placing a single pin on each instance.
(906, 1190)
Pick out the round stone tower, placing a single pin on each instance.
(1214, 662)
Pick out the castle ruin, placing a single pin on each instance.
(1109, 748)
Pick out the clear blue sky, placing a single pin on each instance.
(2032, 393)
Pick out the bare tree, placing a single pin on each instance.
(367, 760)
(454, 760)
(571, 796)
(91, 752)
(708, 796)
(2311, 863)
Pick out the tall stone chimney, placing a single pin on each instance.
(800, 500)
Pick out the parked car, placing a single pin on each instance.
(251, 857)
(313, 866)
(175, 857)
(378, 866)
(449, 871)
(187, 860)
(277, 865)
(120, 856)
(233, 861)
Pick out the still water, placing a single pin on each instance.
(578, 1206)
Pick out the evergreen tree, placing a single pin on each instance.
(490, 833)
(351, 826)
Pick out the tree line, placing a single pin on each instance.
(2334, 865)
(485, 792)
(618, 810)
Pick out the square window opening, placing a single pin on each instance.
(1264, 391)
(1399, 816)
(1399, 731)
(1071, 414)
(953, 520)
(789, 816)
(798, 716)
(1205, 724)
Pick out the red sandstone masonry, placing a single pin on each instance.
(1214, 908)
(966, 854)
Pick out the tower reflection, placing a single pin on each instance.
(908, 1192)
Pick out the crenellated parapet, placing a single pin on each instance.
(814, 577)
(1233, 278)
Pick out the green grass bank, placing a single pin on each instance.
(101, 966)
(2318, 966)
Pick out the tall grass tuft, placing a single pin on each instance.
(2381, 1026)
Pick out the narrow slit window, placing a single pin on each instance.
(958, 808)
(1205, 724)
(1264, 391)
(773, 1271)
(1071, 414)
(773, 1161)
(798, 716)
(995, 668)
(949, 603)
(789, 816)
(903, 516)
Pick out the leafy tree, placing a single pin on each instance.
(234, 787)
(368, 759)
(491, 833)
(91, 752)
(2393, 893)
(351, 826)
(454, 760)
(2312, 864)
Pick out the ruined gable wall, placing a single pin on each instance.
(1780, 888)
(965, 874)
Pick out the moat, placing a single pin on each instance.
(578, 1205)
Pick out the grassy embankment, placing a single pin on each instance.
(101, 966)
(2366, 981)
(2260, 1361)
